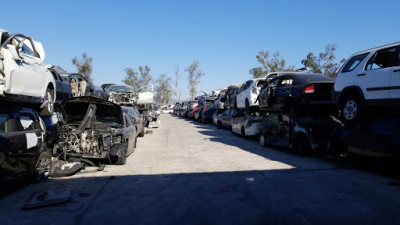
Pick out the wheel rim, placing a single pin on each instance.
(50, 102)
(350, 110)
(42, 169)
(262, 140)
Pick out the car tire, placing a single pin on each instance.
(48, 108)
(122, 159)
(351, 110)
(247, 105)
(262, 140)
(219, 125)
(42, 167)
(242, 132)
(141, 133)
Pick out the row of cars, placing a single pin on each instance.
(50, 118)
(354, 114)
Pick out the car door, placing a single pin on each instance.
(27, 78)
(394, 92)
(129, 129)
(283, 91)
(241, 95)
(375, 79)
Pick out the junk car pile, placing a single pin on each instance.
(49, 117)
(351, 115)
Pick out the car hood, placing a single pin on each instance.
(74, 109)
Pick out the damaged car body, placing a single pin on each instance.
(95, 129)
(23, 151)
(121, 95)
(23, 76)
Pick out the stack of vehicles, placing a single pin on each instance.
(354, 114)
(49, 117)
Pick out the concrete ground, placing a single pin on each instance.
(190, 173)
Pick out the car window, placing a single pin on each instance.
(353, 62)
(25, 122)
(261, 83)
(381, 59)
(5, 123)
(274, 82)
(28, 51)
(286, 81)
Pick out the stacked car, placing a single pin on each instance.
(49, 117)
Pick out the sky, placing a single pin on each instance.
(225, 36)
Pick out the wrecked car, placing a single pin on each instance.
(23, 76)
(246, 124)
(63, 88)
(23, 151)
(95, 129)
(297, 93)
(80, 84)
(300, 134)
(121, 94)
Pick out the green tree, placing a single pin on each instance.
(145, 77)
(312, 62)
(269, 64)
(194, 75)
(84, 66)
(131, 78)
(163, 89)
(325, 63)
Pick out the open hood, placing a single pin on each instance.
(74, 109)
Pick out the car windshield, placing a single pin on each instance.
(121, 89)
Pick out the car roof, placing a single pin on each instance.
(377, 48)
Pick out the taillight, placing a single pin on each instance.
(205, 109)
(309, 89)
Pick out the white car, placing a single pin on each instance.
(248, 93)
(23, 76)
(219, 102)
(367, 78)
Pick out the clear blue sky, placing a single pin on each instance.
(223, 35)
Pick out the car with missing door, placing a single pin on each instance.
(368, 78)
(23, 76)
(23, 152)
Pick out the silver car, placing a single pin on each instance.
(23, 76)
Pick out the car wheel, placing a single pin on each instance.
(350, 110)
(247, 105)
(49, 104)
(42, 167)
(262, 140)
(122, 159)
(242, 132)
(142, 133)
(219, 125)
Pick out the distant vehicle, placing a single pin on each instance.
(369, 78)
(219, 102)
(246, 124)
(248, 93)
(166, 109)
(206, 109)
(230, 96)
(297, 93)
(95, 128)
(23, 146)
(99, 93)
(106, 88)
(121, 95)
(23, 76)
(80, 85)
(63, 88)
